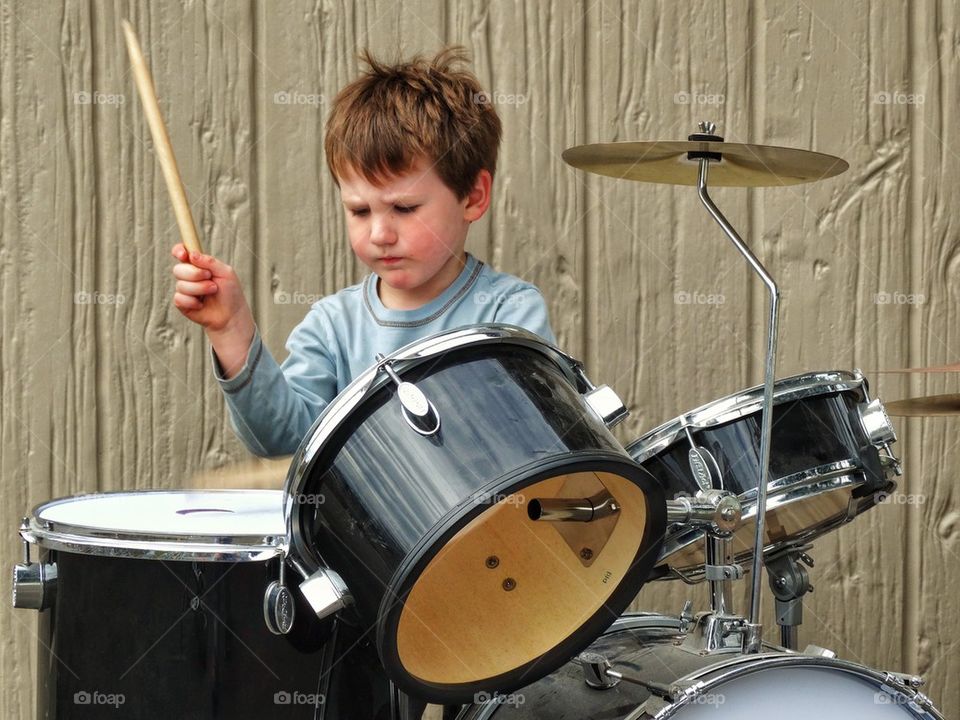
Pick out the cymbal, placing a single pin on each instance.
(258, 474)
(955, 367)
(931, 406)
(741, 165)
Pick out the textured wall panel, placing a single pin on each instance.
(104, 386)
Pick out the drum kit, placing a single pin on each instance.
(461, 525)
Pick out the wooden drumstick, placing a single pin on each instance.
(161, 141)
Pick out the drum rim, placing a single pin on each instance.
(371, 380)
(557, 656)
(85, 540)
(741, 404)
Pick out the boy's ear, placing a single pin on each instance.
(478, 199)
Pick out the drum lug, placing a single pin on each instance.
(606, 404)
(34, 584)
(326, 592)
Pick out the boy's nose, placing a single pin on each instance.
(381, 232)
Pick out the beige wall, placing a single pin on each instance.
(109, 396)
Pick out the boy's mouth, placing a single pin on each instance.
(390, 260)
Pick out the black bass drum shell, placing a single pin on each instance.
(433, 536)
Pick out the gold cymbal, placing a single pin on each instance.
(955, 367)
(740, 165)
(931, 406)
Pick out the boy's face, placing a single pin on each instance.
(411, 230)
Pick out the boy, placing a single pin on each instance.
(413, 149)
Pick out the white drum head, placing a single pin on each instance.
(798, 693)
(224, 525)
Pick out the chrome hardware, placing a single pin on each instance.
(817, 651)
(420, 413)
(607, 405)
(686, 616)
(279, 609)
(599, 506)
(712, 632)
(34, 584)
(752, 636)
(876, 423)
(716, 510)
(326, 592)
(597, 672)
(723, 572)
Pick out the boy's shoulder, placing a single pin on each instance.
(494, 281)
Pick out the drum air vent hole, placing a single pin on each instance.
(191, 511)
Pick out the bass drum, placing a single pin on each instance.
(662, 678)
(470, 496)
(152, 606)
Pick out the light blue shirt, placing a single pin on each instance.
(273, 406)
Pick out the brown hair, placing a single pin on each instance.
(392, 115)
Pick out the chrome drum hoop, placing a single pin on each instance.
(101, 540)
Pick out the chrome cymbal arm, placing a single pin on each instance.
(752, 639)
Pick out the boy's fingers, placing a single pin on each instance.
(186, 302)
(210, 263)
(196, 288)
(186, 271)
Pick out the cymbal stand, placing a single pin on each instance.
(752, 635)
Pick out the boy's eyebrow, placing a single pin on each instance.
(405, 198)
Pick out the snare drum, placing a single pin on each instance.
(473, 501)
(664, 678)
(830, 460)
(152, 606)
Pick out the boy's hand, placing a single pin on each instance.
(208, 292)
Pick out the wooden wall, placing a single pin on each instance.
(105, 386)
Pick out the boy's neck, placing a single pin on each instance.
(414, 299)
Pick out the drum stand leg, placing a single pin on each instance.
(789, 582)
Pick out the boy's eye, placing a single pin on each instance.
(405, 208)
(359, 212)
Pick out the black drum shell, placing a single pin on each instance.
(806, 433)
(385, 497)
(181, 639)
